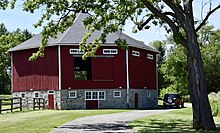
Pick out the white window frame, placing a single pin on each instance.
(148, 94)
(76, 51)
(50, 91)
(111, 51)
(70, 94)
(115, 92)
(150, 56)
(98, 95)
(136, 53)
(37, 94)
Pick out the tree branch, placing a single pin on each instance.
(207, 17)
(164, 16)
(140, 26)
(177, 9)
(156, 12)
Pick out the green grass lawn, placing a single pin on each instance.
(177, 121)
(43, 121)
(5, 96)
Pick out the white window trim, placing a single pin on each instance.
(148, 94)
(50, 91)
(136, 53)
(104, 95)
(114, 92)
(110, 51)
(150, 56)
(76, 51)
(97, 96)
(72, 92)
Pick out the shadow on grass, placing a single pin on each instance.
(167, 126)
(96, 127)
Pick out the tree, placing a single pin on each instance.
(161, 47)
(175, 70)
(175, 16)
(9, 40)
(3, 29)
(211, 57)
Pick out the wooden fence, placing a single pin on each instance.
(10, 104)
(38, 103)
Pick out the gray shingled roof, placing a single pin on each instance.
(74, 34)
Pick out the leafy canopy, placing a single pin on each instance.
(107, 15)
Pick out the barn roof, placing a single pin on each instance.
(74, 34)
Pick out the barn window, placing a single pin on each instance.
(36, 95)
(82, 68)
(76, 51)
(23, 95)
(72, 94)
(110, 51)
(101, 95)
(88, 95)
(95, 95)
(117, 93)
(150, 56)
(148, 94)
(135, 53)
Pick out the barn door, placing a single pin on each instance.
(50, 101)
(136, 100)
(102, 68)
(91, 104)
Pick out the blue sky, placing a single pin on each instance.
(19, 19)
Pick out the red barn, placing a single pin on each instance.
(114, 78)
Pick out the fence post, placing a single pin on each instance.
(0, 106)
(20, 104)
(34, 104)
(43, 103)
(39, 103)
(11, 104)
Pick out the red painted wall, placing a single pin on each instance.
(106, 72)
(142, 71)
(41, 74)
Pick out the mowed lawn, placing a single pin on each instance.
(177, 121)
(43, 121)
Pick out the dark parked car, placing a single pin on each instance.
(172, 100)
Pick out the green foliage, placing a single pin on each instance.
(108, 16)
(175, 70)
(168, 90)
(161, 47)
(214, 99)
(9, 40)
(211, 59)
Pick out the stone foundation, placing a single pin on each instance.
(146, 98)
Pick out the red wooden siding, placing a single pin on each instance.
(142, 71)
(106, 72)
(102, 68)
(41, 74)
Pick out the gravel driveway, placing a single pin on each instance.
(109, 123)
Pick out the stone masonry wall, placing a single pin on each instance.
(146, 99)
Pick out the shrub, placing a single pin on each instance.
(167, 90)
(214, 99)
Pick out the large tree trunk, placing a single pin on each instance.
(202, 115)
